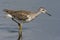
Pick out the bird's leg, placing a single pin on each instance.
(20, 32)
(20, 29)
(15, 21)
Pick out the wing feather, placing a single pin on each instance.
(20, 16)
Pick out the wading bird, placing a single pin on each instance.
(23, 16)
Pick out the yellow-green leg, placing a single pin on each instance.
(20, 29)
(20, 32)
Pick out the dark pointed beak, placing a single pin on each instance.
(48, 14)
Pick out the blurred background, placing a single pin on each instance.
(44, 27)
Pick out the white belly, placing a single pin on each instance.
(30, 18)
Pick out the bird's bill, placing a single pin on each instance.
(48, 14)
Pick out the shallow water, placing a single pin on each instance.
(44, 27)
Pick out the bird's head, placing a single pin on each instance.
(44, 11)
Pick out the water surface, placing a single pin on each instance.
(44, 27)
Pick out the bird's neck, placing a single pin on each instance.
(38, 13)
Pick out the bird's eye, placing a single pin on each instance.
(42, 10)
